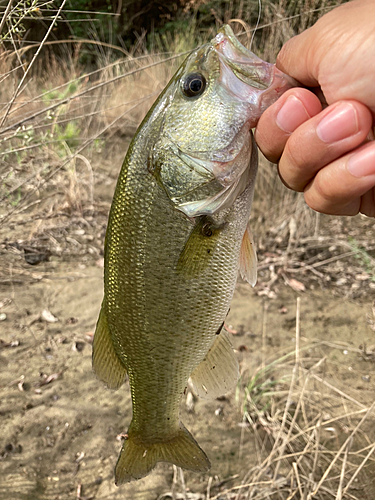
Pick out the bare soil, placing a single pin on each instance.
(60, 427)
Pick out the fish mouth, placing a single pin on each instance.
(246, 76)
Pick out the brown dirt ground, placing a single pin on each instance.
(57, 436)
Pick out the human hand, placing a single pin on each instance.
(328, 153)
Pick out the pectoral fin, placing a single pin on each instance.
(219, 370)
(248, 258)
(199, 247)
(105, 362)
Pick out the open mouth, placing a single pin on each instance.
(247, 67)
(246, 76)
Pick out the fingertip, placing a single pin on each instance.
(298, 107)
(362, 162)
(276, 124)
(338, 190)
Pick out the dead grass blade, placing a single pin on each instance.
(343, 447)
(20, 85)
(83, 93)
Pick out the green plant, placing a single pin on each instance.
(361, 254)
(12, 25)
(69, 133)
(264, 384)
(57, 94)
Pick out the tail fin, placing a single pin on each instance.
(137, 459)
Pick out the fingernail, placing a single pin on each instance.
(292, 114)
(340, 123)
(362, 163)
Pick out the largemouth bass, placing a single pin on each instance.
(177, 236)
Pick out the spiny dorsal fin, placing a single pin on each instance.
(138, 458)
(105, 362)
(248, 258)
(218, 372)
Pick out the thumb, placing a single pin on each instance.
(296, 58)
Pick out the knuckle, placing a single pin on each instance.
(320, 197)
(292, 167)
(367, 206)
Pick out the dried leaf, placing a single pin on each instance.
(5, 302)
(296, 285)
(48, 316)
(362, 277)
(80, 456)
(89, 336)
(230, 329)
(13, 343)
(50, 378)
(267, 292)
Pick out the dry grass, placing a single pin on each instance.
(313, 436)
(54, 151)
(66, 115)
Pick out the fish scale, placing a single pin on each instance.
(177, 236)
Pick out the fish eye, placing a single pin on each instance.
(194, 85)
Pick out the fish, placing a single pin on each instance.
(177, 236)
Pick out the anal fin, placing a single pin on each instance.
(105, 362)
(218, 372)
